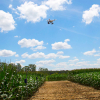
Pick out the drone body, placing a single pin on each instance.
(50, 21)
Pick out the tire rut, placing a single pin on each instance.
(65, 90)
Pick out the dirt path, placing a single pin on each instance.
(65, 90)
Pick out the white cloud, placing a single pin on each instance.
(63, 57)
(51, 55)
(42, 55)
(15, 10)
(71, 64)
(38, 48)
(16, 36)
(45, 62)
(62, 64)
(98, 61)
(60, 52)
(24, 55)
(7, 22)
(21, 61)
(61, 45)
(99, 47)
(72, 61)
(6, 53)
(75, 57)
(84, 63)
(88, 15)
(34, 55)
(10, 6)
(32, 12)
(16, 55)
(97, 54)
(56, 4)
(29, 43)
(90, 52)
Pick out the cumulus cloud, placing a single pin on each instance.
(21, 61)
(6, 53)
(98, 61)
(56, 4)
(7, 22)
(38, 48)
(62, 64)
(51, 55)
(63, 57)
(25, 55)
(16, 55)
(42, 55)
(17, 36)
(45, 62)
(90, 52)
(84, 63)
(32, 12)
(61, 45)
(10, 6)
(72, 61)
(29, 43)
(60, 52)
(88, 15)
(97, 54)
(34, 55)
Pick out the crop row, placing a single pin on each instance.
(18, 86)
(91, 79)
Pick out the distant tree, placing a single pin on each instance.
(23, 69)
(43, 69)
(18, 67)
(32, 67)
(27, 68)
(2, 64)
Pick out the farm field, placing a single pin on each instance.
(65, 90)
(22, 85)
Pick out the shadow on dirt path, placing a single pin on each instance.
(65, 90)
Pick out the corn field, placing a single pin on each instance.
(88, 77)
(18, 85)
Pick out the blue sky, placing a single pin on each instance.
(72, 42)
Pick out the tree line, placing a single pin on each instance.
(30, 67)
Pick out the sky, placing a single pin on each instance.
(72, 42)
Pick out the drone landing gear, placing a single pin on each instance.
(52, 23)
(48, 23)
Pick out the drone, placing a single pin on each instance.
(51, 21)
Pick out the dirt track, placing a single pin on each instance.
(65, 90)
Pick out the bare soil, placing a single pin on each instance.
(65, 90)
